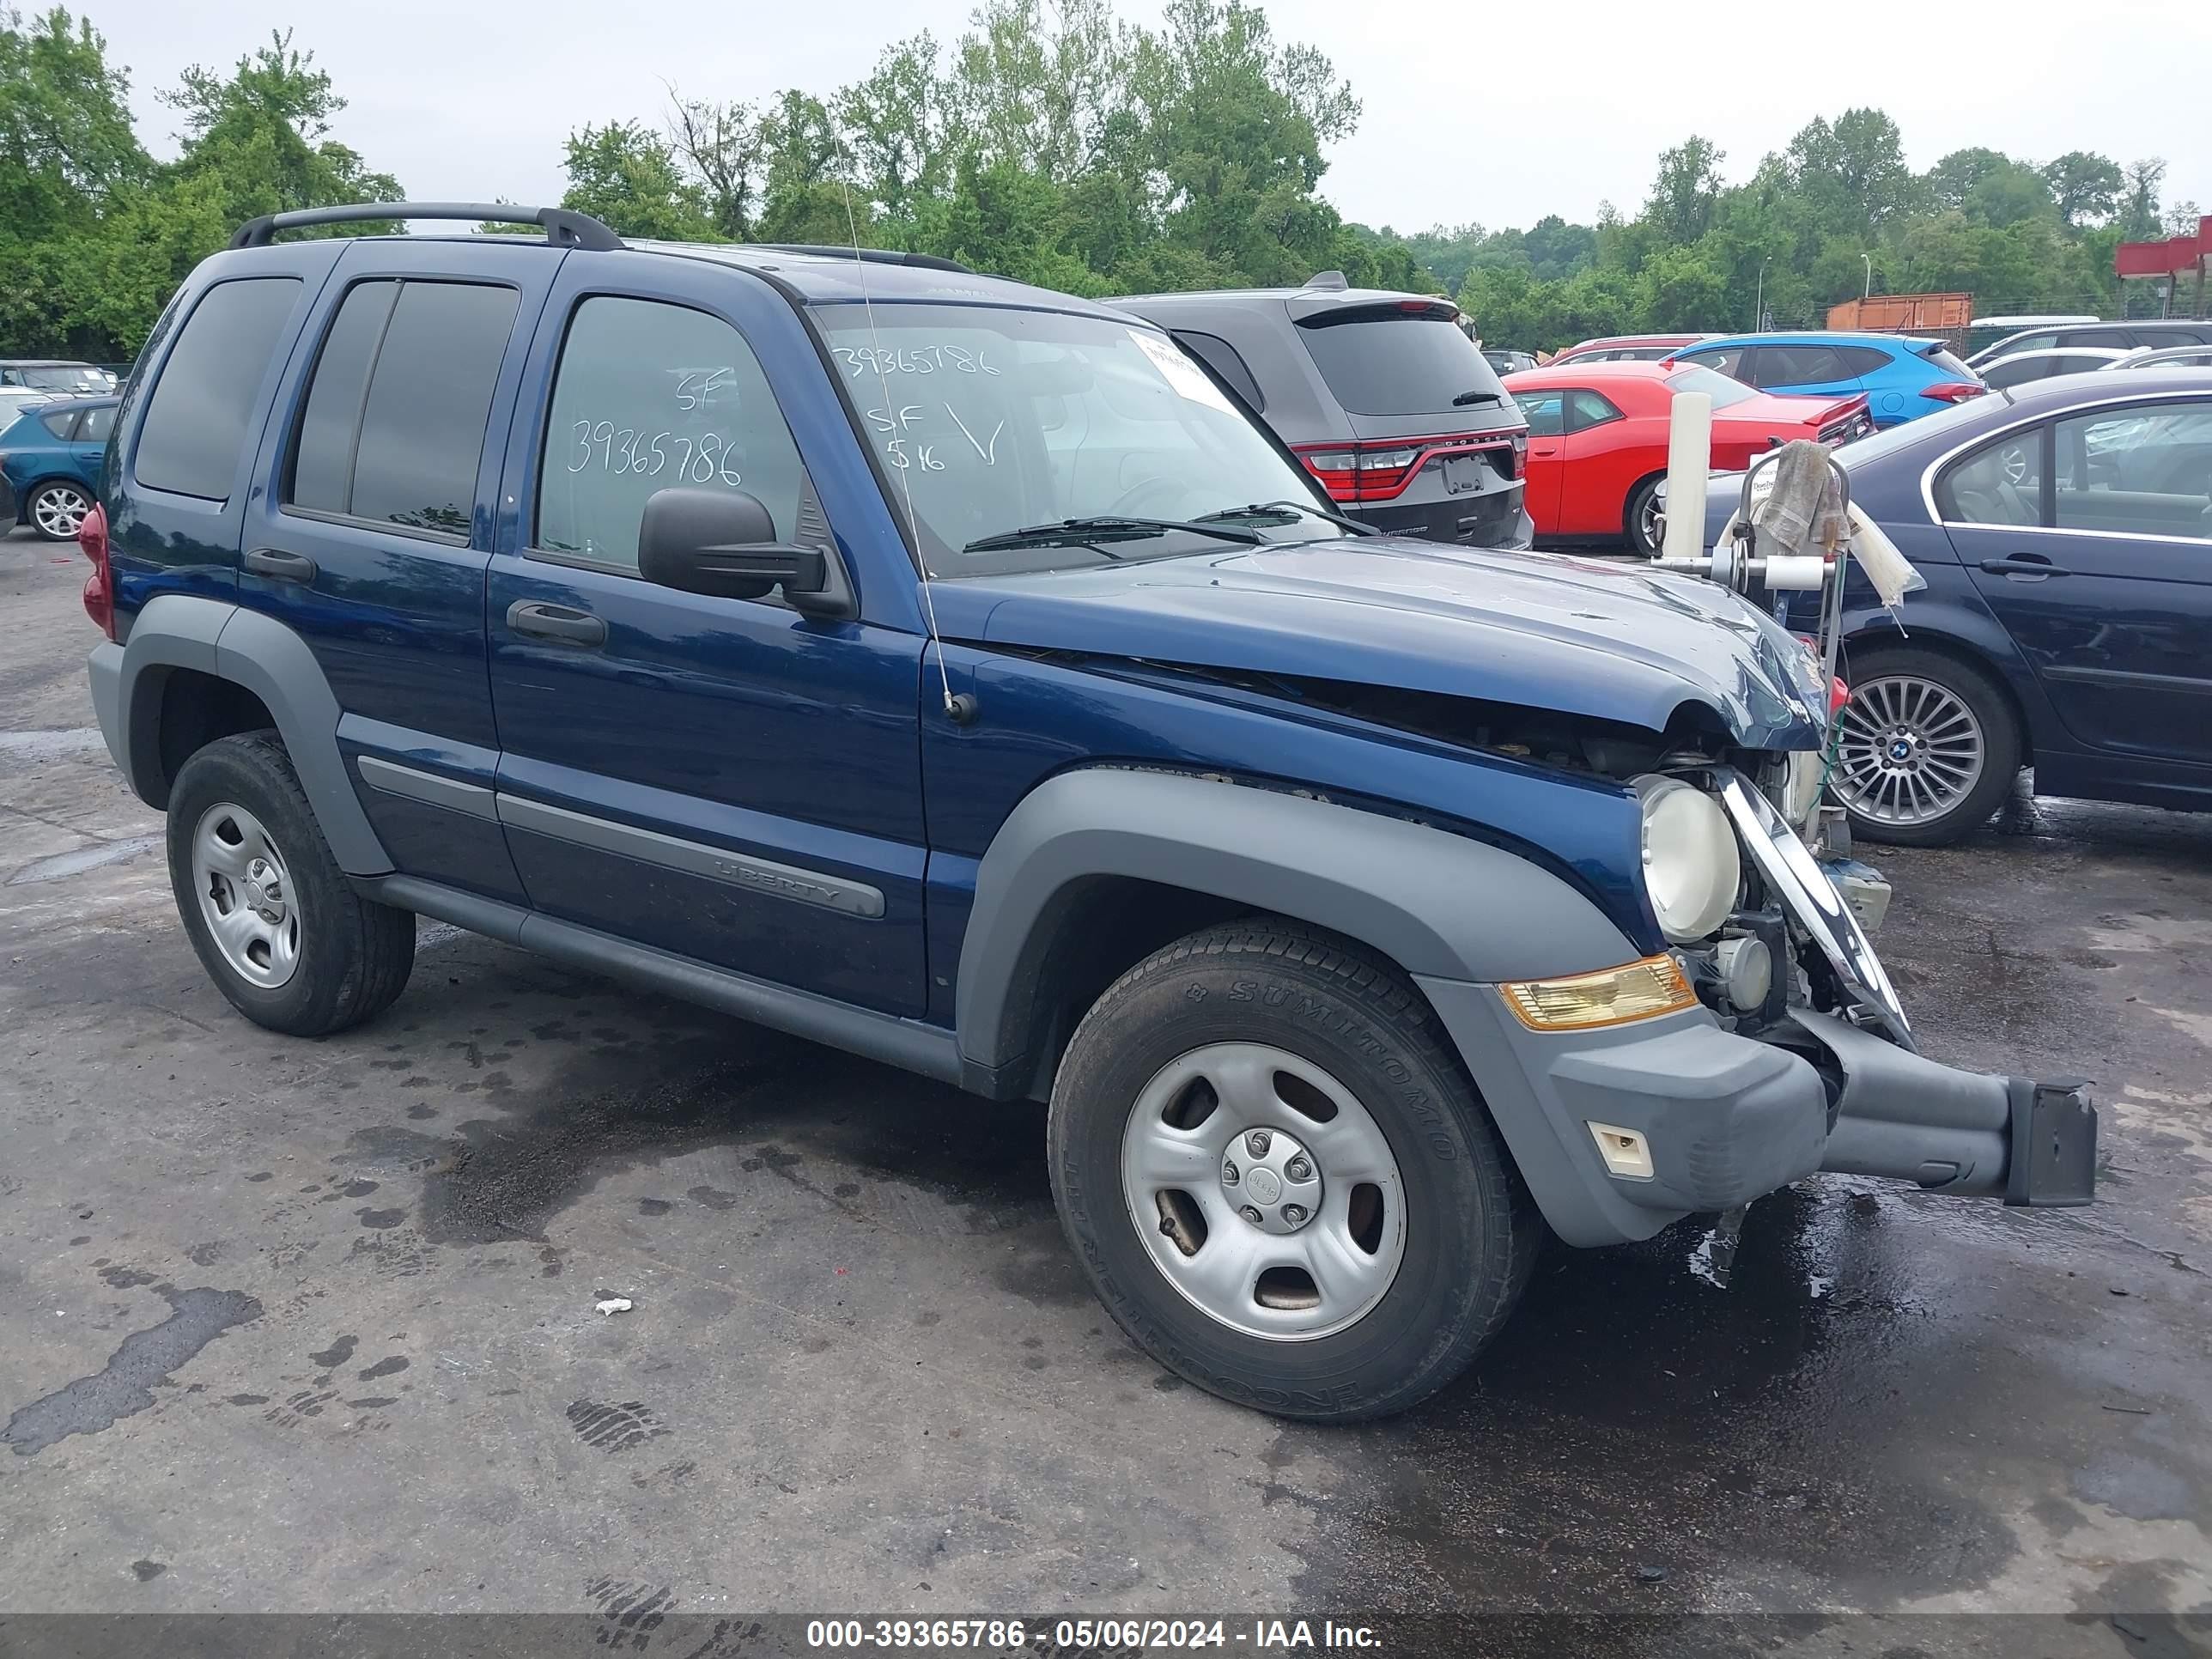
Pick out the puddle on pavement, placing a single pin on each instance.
(124, 1386)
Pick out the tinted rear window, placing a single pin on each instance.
(322, 465)
(194, 427)
(1394, 363)
(422, 429)
(1950, 365)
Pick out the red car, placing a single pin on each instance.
(1626, 349)
(1597, 440)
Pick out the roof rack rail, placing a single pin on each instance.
(874, 256)
(565, 228)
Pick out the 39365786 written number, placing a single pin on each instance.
(684, 457)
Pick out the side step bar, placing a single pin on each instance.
(929, 1049)
(1906, 1117)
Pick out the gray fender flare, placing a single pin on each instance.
(1440, 905)
(180, 630)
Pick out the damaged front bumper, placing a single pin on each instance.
(1726, 1119)
(1620, 1131)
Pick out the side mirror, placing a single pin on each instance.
(722, 542)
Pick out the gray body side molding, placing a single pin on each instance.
(1436, 903)
(927, 1050)
(180, 630)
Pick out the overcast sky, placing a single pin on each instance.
(1496, 114)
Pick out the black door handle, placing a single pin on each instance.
(2024, 564)
(274, 562)
(555, 622)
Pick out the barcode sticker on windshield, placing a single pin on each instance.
(1184, 376)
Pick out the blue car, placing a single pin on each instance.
(2065, 530)
(1903, 377)
(952, 672)
(50, 464)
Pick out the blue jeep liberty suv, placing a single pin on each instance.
(954, 672)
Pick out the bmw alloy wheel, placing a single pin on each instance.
(1910, 751)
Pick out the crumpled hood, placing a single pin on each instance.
(1612, 640)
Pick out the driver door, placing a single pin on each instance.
(726, 779)
(1547, 414)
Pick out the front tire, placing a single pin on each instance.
(273, 918)
(1927, 748)
(1279, 1180)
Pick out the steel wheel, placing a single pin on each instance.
(58, 509)
(246, 895)
(1264, 1192)
(1910, 751)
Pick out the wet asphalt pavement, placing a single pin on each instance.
(294, 1325)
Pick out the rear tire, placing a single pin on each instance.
(273, 918)
(1420, 1235)
(56, 509)
(1638, 527)
(1930, 747)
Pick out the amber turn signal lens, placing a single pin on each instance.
(1640, 990)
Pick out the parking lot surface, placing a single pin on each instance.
(311, 1327)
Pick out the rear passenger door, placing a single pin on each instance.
(373, 538)
(725, 780)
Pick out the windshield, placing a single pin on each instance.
(999, 420)
(65, 377)
(1721, 389)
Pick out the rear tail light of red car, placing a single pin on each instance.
(1379, 471)
(1953, 391)
(100, 586)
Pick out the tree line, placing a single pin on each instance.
(1059, 144)
(1835, 215)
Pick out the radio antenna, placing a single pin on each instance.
(957, 709)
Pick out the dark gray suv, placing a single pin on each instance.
(1381, 395)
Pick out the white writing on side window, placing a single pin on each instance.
(626, 450)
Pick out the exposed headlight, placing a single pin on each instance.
(1691, 871)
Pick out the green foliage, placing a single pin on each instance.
(1058, 143)
(1836, 212)
(1682, 195)
(2085, 187)
(95, 235)
(625, 175)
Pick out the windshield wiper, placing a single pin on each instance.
(1276, 512)
(1467, 397)
(1106, 527)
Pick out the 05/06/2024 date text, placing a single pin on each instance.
(1012, 1637)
